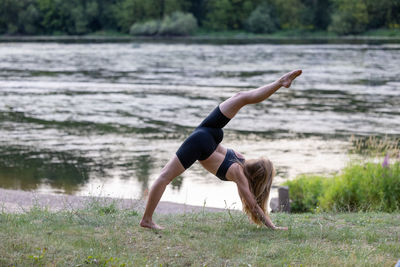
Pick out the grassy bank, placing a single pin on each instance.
(105, 236)
(220, 37)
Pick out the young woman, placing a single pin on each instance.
(252, 177)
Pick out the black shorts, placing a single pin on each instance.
(204, 139)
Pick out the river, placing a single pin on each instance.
(102, 119)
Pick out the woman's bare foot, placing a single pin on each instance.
(150, 224)
(286, 80)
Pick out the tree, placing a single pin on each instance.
(290, 13)
(18, 17)
(128, 12)
(198, 8)
(349, 17)
(262, 20)
(382, 13)
(28, 19)
(317, 13)
(228, 14)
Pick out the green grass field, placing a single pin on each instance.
(105, 236)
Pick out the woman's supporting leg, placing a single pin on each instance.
(168, 173)
(232, 105)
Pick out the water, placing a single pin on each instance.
(102, 119)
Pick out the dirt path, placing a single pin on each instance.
(19, 201)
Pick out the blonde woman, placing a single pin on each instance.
(253, 177)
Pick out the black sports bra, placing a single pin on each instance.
(230, 158)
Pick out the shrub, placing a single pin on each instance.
(129, 12)
(150, 27)
(360, 187)
(369, 187)
(305, 192)
(261, 20)
(177, 23)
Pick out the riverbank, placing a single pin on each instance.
(106, 236)
(208, 39)
(17, 201)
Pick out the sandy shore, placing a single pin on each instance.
(14, 201)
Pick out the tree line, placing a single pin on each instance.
(75, 17)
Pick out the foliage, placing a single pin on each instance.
(382, 13)
(350, 17)
(17, 16)
(305, 192)
(259, 16)
(364, 188)
(317, 13)
(291, 14)
(129, 12)
(147, 28)
(262, 20)
(228, 14)
(177, 23)
(360, 187)
(374, 146)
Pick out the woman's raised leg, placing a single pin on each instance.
(232, 105)
(168, 173)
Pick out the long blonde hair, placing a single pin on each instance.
(259, 173)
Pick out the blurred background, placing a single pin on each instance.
(177, 17)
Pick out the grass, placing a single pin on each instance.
(378, 34)
(102, 235)
(383, 33)
(109, 33)
(374, 146)
(277, 34)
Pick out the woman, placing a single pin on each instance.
(252, 177)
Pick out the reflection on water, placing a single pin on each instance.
(27, 169)
(105, 118)
(142, 165)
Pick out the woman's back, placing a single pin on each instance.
(216, 159)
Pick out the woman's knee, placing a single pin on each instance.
(165, 178)
(161, 181)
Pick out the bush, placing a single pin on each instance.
(150, 27)
(261, 20)
(176, 24)
(367, 187)
(129, 12)
(305, 192)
